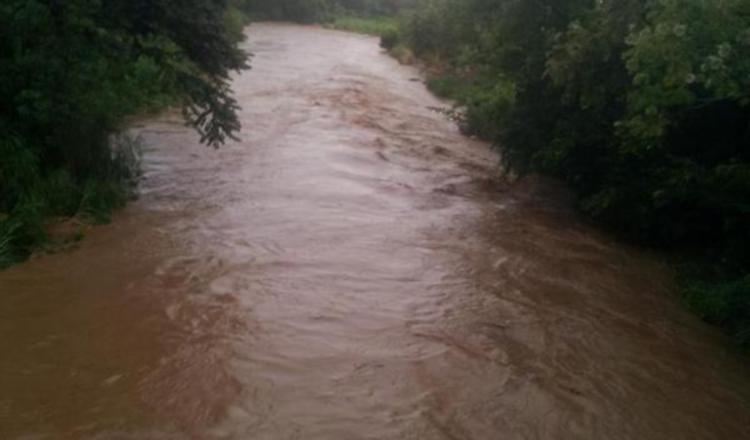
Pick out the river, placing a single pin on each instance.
(352, 268)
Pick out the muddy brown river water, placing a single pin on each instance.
(352, 268)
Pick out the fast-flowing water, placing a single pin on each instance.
(353, 268)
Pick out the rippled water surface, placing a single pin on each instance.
(351, 269)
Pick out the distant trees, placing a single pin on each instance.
(310, 11)
(643, 107)
(71, 70)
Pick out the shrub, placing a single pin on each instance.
(71, 72)
(641, 107)
(390, 38)
(726, 304)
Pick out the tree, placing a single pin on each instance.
(642, 107)
(71, 71)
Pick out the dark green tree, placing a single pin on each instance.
(642, 107)
(71, 72)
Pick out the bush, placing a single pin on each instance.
(641, 107)
(726, 304)
(377, 26)
(390, 38)
(321, 11)
(403, 54)
(71, 72)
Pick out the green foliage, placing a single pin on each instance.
(7, 238)
(302, 11)
(322, 11)
(449, 85)
(642, 107)
(378, 26)
(235, 21)
(726, 304)
(437, 27)
(390, 38)
(71, 72)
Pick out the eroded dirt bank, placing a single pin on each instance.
(352, 269)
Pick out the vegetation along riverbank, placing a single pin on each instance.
(642, 108)
(71, 73)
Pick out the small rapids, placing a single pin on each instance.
(352, 268)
